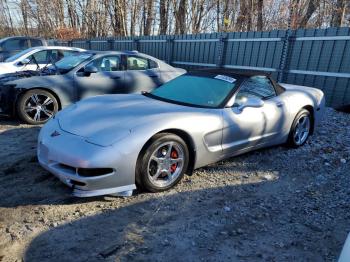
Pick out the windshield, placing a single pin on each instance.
(18, 55)
(69, 62)
(196, 90)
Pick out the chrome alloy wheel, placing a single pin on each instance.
(301, 130)
(165, 164)
(39, 107)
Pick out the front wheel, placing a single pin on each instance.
(36, 106)
(300, 130)
(163, 163)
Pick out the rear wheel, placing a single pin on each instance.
(37, 106)
(300, 130)
(163, 164)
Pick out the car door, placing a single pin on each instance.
(253, 126)
(108, 78)
(142, 74)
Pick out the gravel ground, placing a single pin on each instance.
(275, 204)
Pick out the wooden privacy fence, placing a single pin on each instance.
(312, 57)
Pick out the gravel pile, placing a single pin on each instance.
(275, 204)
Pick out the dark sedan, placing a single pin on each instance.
(36, 96)
(10, 46)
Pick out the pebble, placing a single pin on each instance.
(166, 242)
(227, 209)
(268, 177)
(54, 224)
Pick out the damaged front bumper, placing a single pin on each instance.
(8, 97)
(87, 168)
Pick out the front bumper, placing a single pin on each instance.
(63, 155)
(8, 96)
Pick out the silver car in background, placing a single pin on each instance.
(36, 58)
(113, 143)
(36, 97)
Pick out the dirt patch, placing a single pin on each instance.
(275, 204)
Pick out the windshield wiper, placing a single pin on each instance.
(51, 61)
(30, 60)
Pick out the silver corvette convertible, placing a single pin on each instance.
(110, 144)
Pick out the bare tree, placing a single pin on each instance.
(311, 8)
(242, 17)
(338, 14)
(149, 16)
(180, 8)
(163, 16)
(260, 23)
(95, 18)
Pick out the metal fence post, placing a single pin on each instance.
(222, 47)
(110, 44)
(137, 44)
(170, 47)
(284, 56)
(88, 44)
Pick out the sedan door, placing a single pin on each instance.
(253, 126)
(107, 79)
(142, 74)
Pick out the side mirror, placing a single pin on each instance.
(25, 61)
(90, 69)
(251, 102)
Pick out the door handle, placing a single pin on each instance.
(280, 104)
(114, 77)
(153, 76)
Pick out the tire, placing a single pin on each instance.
(300, 130)
(36, 106)
(161, 159)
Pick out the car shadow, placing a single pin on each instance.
(19, 168)
(230, 223)
(21, 176)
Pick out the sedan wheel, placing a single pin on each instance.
(163, 164)
(37, 106)
(300, 130)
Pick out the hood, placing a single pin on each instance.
(32, 79)
(6, 68)
(103, 120)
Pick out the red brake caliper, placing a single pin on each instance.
(173, 155)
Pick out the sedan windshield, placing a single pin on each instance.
(68, 63)
(196, 90)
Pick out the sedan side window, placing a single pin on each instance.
(15, 44)
(107, 64)
(152, 64)
(56, 55)
(35, 42)
(257, 87)
(41, 57)
(137, 63)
